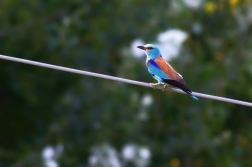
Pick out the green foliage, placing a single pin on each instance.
(40, 107)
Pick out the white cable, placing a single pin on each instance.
(120, 79)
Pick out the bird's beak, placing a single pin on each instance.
(141, 47)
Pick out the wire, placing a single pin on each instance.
(121, 80)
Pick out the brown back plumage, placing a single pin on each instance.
(167, 68)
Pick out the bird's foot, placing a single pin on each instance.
(164, 86)
(154, 85)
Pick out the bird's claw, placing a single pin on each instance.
(153, 85)
(164, 86)
(156, 84)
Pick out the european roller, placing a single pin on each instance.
(163, 71)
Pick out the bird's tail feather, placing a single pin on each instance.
(194, 97)
(180, 86)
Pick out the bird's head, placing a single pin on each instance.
(151, 51)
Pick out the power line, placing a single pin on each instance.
(120, 79)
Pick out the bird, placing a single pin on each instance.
(162, 71)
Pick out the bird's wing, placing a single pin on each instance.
(156, 71)
(163, 72)
(168, 70)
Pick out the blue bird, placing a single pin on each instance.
(163, 71)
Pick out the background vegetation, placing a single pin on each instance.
(51, 118)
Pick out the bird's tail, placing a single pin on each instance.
(180, 86)
(194, 97)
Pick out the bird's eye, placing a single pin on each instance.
(149, 48)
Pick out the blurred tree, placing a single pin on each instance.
(41, 107)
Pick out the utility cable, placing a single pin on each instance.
(71, 70)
